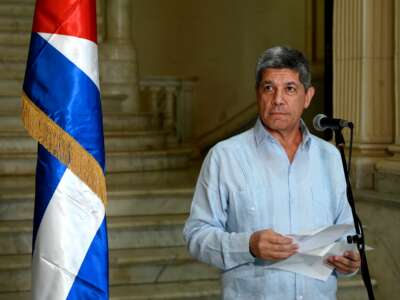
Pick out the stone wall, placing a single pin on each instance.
(218, 41)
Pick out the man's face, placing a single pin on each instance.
(282, 99)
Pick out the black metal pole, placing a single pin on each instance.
(359, 237)
(328, 64)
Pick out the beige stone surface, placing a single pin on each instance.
(127, 266)
(118, 53)
(363, 68)
(380, 215)
(218, 41)
(397, 72)
(363, 79)
(388, 171)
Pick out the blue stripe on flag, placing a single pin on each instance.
(66, 94)
(49, 171)
(92, 279)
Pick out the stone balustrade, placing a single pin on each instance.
(169, 100)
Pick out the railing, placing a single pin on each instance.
(170, 100)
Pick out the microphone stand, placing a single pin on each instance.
(358, 238)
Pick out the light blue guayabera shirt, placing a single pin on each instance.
(247, 184)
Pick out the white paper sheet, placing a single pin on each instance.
(314, 249)
(321, 237)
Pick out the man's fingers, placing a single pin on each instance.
(352, 255)
(345, 261)
(340, 267)
(268, 244)
(280, 239)
(343, 264)
(283, 247)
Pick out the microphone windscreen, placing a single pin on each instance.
(317, 122)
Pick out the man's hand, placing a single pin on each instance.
(268, 244)
(348, 263)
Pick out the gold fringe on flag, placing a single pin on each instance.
(64, 147)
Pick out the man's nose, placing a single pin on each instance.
(278, 97)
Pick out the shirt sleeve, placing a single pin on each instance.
(205, 230)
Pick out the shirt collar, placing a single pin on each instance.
(262, 134)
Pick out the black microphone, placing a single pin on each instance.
(322, 122)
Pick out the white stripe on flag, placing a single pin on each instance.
(81, 52)
(68, 227)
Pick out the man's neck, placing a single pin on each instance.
(289, 139)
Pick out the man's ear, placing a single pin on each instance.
(309, 96)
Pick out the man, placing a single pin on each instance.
(272, 180)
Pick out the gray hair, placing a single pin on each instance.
(281, 58)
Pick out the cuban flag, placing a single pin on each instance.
(61, 109)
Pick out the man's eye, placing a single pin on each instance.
(291, 89)
(268, 88)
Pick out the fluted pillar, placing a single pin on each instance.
(100, 6)
(396, 149)
(118, 68)
(363, 79)
(388, 170)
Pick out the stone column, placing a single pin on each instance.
(184, 109)
(396, 147)
(118, 67)
(100, 5)
(363, 79)
(155, 106)
(169, 111)
(388, 170)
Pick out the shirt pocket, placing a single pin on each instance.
(242, 216)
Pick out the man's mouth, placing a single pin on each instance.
(279, 113)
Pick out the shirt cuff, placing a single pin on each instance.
(238, 250)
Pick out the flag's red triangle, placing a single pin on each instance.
(69, 17)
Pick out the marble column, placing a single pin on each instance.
(363, 80)
(100, 5)
(388, 170)
(118, 68)
(396, 148)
